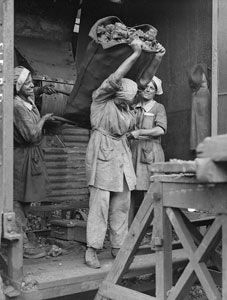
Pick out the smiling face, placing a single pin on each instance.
(149, 92)
(27, 87)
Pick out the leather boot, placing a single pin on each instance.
(91, 258)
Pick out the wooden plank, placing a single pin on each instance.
(68, 186)
(183, 285)
(214, 74)
(133, 239)
(162, 230)
(214, 148)
(214, 256)
(224, 257)
(65, 157)
(62, 198)
(76, 191)
(198, 255)
(174, 166)
(209, 171)
(187, 195)
(2, 142)
(8, 54)
(50, 151)
(64, 172)
(74, 204)
(116, 292)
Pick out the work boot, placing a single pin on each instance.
(114, 252)
(32, 251)
(91, 258)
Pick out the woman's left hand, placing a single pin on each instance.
(160, 50)
(48, 89)
(135, 134)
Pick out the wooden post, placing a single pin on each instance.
(162, 242)
(224, 257)
(214, 79)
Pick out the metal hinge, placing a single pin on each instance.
(9, 227)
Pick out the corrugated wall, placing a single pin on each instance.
(65, 160)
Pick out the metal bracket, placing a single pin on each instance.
(9, 227)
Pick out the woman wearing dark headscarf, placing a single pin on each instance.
(201, 105)
(30, 176)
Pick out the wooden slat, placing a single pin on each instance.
(69, 186)
(80, 171)
(183, 286)
(64, 157)
(177, 166)
(214, 148)
(77, 139)
(133, 239)
(64, 150)
(74, 204)
(199, 196)
(68, 179)
(209, 171)
(224, 257)
(116, 292)
(162, 230)
(78, 191)
(197, 255)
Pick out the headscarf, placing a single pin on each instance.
(157, 84)
(20, 76)
(128, 89)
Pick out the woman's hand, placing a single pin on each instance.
(136, 45)
(135, 134)
(48, 117)
(160, 50)
(48, 89)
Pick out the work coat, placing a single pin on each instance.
(30, 175)
(200, 116)
(108, 157)
(147, 149)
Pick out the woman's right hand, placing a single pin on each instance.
(48, 116)
(136, 45)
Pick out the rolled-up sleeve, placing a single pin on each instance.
(107, 89)
(161, 118)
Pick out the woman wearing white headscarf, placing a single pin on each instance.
(109, 165)
(151, 124)
(30, 176)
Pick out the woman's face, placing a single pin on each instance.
(204, 82)
(123, 104)
(27, 87)
(149, 92)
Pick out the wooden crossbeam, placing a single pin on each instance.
(117, 292)
(214, 256)
(196, 255)
(127, 251)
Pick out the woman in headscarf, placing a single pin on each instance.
(30, 176)
(109, 166)
(151, 124)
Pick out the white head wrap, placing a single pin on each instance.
(128, 90)
(158, 85)
(20, 76)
